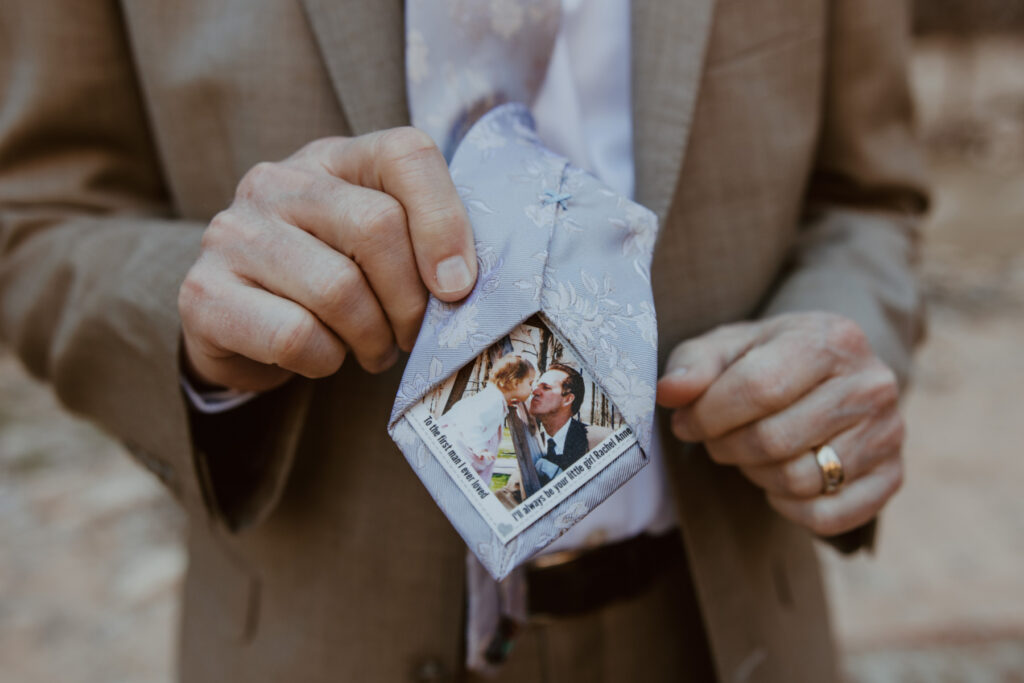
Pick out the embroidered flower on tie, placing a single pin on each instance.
(536, 284)
(458, 324)
(542, 172)
(474, 205)
(641, 228)
(633, 395)
(460, 327)
(575, 272)
(646, 322)
(412, 388)
(486, 137)
(583, 319)
(541, 215)
(405, 436)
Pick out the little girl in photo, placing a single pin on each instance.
(474, 423)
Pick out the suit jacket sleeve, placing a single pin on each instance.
(858, 246)
(91, 257)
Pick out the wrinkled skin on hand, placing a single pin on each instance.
(329, 252)
(763, 396)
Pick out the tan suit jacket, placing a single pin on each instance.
(771, 137)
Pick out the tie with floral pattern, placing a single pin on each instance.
(550, 239)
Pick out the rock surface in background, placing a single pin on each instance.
(92, 560)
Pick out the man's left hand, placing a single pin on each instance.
(764, 395)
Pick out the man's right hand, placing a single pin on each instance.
(327, 252)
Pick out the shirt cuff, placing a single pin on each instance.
(212, 402)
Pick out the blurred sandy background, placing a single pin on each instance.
(90, 562)
(943, 599)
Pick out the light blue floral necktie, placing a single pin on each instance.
(550, 239)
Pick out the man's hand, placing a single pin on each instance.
(328, 252)
(764, 395)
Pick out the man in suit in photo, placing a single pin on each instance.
(557, 397)
(230, 191)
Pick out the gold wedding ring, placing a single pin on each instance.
(832, 474)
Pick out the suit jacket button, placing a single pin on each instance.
(430, 670)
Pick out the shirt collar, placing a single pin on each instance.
(559, 436)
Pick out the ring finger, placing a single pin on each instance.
(851, 507)
(835, 405)
(860, 449)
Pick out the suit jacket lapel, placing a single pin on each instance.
(363, 44)
(668, 44)
(575, 441)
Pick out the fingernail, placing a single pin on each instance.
(453, 274)
(678, 372)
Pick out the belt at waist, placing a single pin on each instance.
(592, 579)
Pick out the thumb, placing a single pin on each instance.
(696, 363)
(406, 164)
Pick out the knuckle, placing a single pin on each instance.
(417, 308)
(382, 221)
(373, 344)
(257, 181)
(336, 289)
(290, 340)
(319, 149)
(766, 391)
(845, 336)
(202, 317)
(447, 218)
(190, 294)
(199, 287)
(411, 315)
(372, 336)
(380, 362)
(883, 390)
(725, 331)
(224, 228)
(772, 441)
(326, 365)
(405, 142)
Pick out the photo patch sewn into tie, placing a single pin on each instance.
(521, 428)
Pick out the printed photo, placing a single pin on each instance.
(523, 415)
